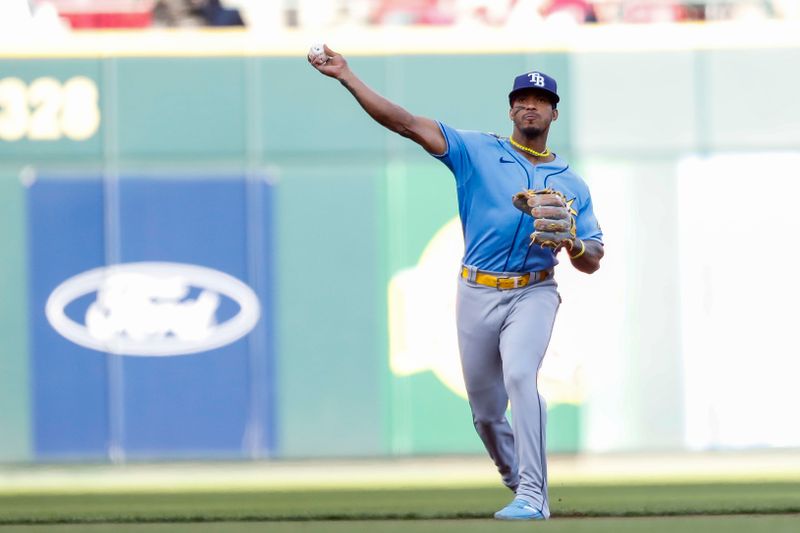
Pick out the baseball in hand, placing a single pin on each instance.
(317, 53)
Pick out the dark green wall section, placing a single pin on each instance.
(14, 388)
(331, 369)
(187, 108)
(313, 116)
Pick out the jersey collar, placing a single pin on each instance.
(556, 164)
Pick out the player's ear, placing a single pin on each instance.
(555, 115)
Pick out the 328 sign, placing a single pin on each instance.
(47, 109)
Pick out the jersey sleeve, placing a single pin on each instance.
(587, 228)
(456, 156)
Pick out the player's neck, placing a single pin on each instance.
(533, 148)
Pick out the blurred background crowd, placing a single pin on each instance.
(312, 14)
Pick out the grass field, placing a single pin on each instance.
(705, 524)
(706, 493)
(706, 507)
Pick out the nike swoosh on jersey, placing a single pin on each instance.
(504, 160)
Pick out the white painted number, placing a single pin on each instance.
(47, 110)
(13, 109)
(80, 117)
(44, 97)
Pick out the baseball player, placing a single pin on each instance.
(507, 297)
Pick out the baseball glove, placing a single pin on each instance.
(553, 217)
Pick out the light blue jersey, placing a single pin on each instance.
(488, 172)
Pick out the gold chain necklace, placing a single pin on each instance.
(531, 151)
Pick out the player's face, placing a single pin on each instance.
(532, 112)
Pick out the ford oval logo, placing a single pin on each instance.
(153, 309)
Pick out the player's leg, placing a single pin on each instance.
(523, 342)
(479, 321)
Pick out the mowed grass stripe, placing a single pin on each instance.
(394, 504)
(700, 524)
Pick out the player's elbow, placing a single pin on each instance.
(406, 126)
(398, 120)
(403, 130)
(587, 265)
(590, 262)
(591, 267)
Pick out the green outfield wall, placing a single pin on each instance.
(626, 120)
(14, 394)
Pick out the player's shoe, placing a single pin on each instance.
(518, 509)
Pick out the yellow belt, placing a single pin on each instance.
(505, 283)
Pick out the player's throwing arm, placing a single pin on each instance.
(421, 130)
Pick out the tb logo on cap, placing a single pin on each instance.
(537, 79)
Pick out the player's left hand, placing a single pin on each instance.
(553, 223)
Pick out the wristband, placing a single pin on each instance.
(583, 249)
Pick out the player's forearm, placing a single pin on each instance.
(386, 113)
(588, 261)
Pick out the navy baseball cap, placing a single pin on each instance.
(535, 80)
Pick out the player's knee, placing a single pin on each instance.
(485, 421)
(519, 379)
(487, 427)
